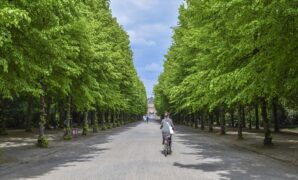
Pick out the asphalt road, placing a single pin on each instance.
(134, 152)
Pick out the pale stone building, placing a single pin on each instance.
(151, 109)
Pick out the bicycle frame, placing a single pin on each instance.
(167, 145)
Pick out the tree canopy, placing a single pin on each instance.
(229, 53)
(68, 48)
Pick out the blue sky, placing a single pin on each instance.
(148, 23)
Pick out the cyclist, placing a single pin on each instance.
(166, 125)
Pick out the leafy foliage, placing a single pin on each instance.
(53, 50)
(230, 52)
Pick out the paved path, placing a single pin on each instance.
(134, 153)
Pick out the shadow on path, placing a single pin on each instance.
(62, 154)
(229, 162)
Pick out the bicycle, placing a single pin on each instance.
(167, 145)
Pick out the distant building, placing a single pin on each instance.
(151, 109)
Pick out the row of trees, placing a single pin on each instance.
(232, 56)
(66, 57)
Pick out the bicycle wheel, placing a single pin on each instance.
(165, 149)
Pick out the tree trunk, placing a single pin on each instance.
(232, 119)
(240, 120)
(122, 118)
(86, 125)
(267, 131)
(210, 122)
(222, 122)
(55, 116)
(217, 118)
(249, 119)
(202, 122)
(48, 113)
(103, 123)
(113, 118)
(3, 131)
(196, 120)
(99, 118)
(42, 119)
(243, 118)
(109, 119)
(104, 120)
(67, 128)
(29, 116)
(274, 116)
(95, 122)
(42, 140)
(257, 117)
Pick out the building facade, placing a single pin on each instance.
(151, 109)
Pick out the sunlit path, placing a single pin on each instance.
(134, 152)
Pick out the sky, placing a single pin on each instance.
(148, 23)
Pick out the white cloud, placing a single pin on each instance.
(153, 30)
(147, 34)
(144, 4)
(153, 67)
(138, 39)
(124, 20)
(136, 4)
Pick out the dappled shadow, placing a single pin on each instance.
(228, 161)
(60, 154)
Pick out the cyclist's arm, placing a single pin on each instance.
(172, 124)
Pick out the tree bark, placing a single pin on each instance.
(108, 118)
(274, 116)
(240, 120)
(196, 120)
(48, 112)
(249, 119)
(222, 122)
(232, 118)
(243, 117)
(210, 122)
(103, 118)
(217, 115)
(42, 140)
(95, 122)
(202, 121)
(113, 118)
(257, 117)
(43, 115)
(67, 128)
(3, 131)
(86, 126)
(267, 131)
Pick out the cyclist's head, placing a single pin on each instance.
(167, 114)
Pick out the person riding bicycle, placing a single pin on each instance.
(166, 125)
